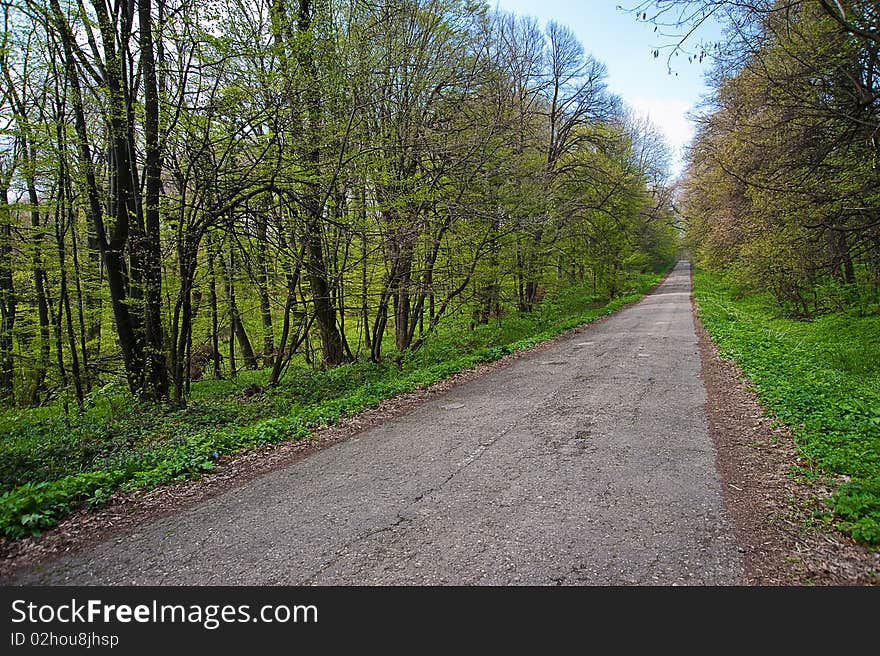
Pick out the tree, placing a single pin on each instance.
(338, 178)
(789, 145)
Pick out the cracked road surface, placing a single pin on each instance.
(587, 463)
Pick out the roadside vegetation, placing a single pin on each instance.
(52, 463)
(821, 379)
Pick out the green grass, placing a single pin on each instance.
(51, 464)
(821, 379)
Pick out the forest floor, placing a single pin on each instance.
(626, 452)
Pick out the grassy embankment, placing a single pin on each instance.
(51, 464)
(820, 378)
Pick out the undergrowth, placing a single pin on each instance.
(51, 464)
(821, 379)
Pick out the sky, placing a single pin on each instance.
(626, 47)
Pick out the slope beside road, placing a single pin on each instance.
(585, 463)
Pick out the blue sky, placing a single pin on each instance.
(626, 46)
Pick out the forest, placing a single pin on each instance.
(193, 188)
(783, 180)
(224, 216)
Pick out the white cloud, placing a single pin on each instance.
(670, 117)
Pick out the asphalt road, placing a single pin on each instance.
(588, 463)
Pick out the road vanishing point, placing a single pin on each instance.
(588, 463)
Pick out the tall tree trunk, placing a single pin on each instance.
(155, 370)
(332, 349)
(40, 291)
(64, 214)
(835, 262)
(121, 185)
(183, 313)
(307, 113)
(262, 276)
(365, 307)
(401, 288)
(215, 330)
(849, 274)
(123, 203)
(59, 353)
(325, 312)
(247, 349)
(380, 323)
(93, 303)
(237, 330)
(7, 299)
(80, 305)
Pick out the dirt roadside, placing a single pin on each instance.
(771, 511)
